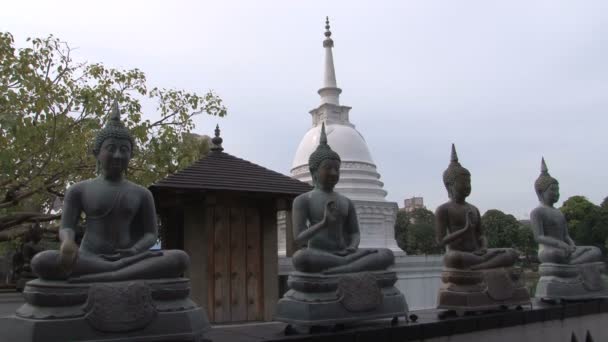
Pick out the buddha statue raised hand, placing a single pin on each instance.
(458, 226)
(120, 219)
(326, 222)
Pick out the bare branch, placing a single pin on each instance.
(55, 192)
(14, 201)
(13, 233)
(160, 122)
(18, 218)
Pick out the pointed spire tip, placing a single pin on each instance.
(328, 42)
(115, 113)
(543, 166)
(454, 155)
(323, 138)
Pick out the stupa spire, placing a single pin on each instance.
(330, 93)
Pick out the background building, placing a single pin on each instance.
(409, 204)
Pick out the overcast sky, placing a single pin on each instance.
(506, 81)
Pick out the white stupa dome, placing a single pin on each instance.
(359, 179)
(345, 140)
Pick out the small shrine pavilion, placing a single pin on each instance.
(222, 210)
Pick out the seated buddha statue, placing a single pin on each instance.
(335, 281)
(120, 219)
(326, 222)
(550, 228)
(458, 226)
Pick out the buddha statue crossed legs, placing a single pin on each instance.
(335, 281)
(458, 226)
(550, 228)
(113, 285)
(326, 222)
(567, 271)
(475, 277)
(120, 223)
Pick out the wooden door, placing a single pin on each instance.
(235, 266)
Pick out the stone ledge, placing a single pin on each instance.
(429, 328)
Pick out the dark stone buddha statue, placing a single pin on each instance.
(458, 226)
(326, 222)
(120, 222)
(335, 281)
(475, 278)
(567, 271)
(550, 228)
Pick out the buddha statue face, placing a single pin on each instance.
(546, 187)
(324, 164)
(113, 156)
(460, 188)
(327, 175)
(551, 195)
(457, 179)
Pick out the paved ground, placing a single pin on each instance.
(9, 302)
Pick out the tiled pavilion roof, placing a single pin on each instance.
(222, 171)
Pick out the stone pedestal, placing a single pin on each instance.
(571, 282)
(464, 290)
(150, 310)
(419, 279)
(377, 224)
(316, 299)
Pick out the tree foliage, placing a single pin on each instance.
(401, 223)
(501, 230)
(526, 243)
(504, 230)
(578, 208)
(50, 110)
(587, 222)
(604, 204)
(415, 232)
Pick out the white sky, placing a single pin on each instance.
(507, 81)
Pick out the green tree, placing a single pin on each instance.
(501, 230)
(525, 242)
(416, 232)
(504, 230)
(50, 110)
(604, 204)
(582, 218)
(401, 224)
(600, 229)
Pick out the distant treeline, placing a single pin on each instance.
(587, 224)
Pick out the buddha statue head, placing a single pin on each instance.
(546, 187)
(113, 147)
(324, 164)
(457, 179)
